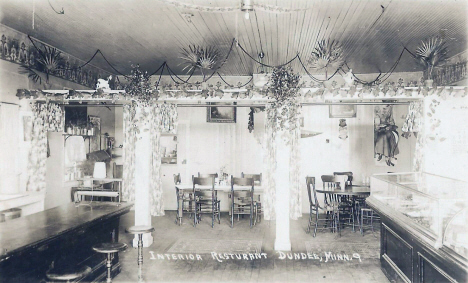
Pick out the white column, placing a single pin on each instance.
(282, 241)
(142, 184)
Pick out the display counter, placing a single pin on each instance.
(424, 236)
(61, 236)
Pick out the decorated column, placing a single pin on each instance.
(144, 120)
(282, 241)
(138, 126)
(143, 172)
(282, 194)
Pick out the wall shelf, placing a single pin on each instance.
(84, 136)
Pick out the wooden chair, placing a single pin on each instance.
(331, 201)
(184, 200)
(256, 177)
(242, 201)
(367, 217)
(258, 211)
(314, 208)
(350, 203)
(205, 200)
(349, 174)
(344, 211)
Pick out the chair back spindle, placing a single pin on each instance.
(313, 201)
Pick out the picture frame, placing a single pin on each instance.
(95, 141)
(26, 120)
(223, 114)
(343, 111)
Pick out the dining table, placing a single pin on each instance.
(184, 188)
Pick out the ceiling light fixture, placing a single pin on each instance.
(247, 6)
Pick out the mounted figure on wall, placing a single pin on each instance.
(386, 136)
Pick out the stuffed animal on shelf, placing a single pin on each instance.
(349, 78)
(104, 84)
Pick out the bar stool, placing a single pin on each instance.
(109, 249)
(67, 273)
(140, 230)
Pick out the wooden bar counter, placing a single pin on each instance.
(61, 236)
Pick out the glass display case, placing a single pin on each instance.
(434, 205)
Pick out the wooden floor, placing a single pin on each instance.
(271, 269)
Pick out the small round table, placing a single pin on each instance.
(109, 249)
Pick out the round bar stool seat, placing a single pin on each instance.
(140, 229)
(68, 273)
(106, 248)
(109, 249)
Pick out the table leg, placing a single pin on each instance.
(180, 206)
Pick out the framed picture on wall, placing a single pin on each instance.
(220, 114)
(26, 127)
(95, 141)
(343, 111)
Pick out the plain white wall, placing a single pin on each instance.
(355, 154)
(447, 154)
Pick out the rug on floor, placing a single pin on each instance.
(365, 250)
(206, 246)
